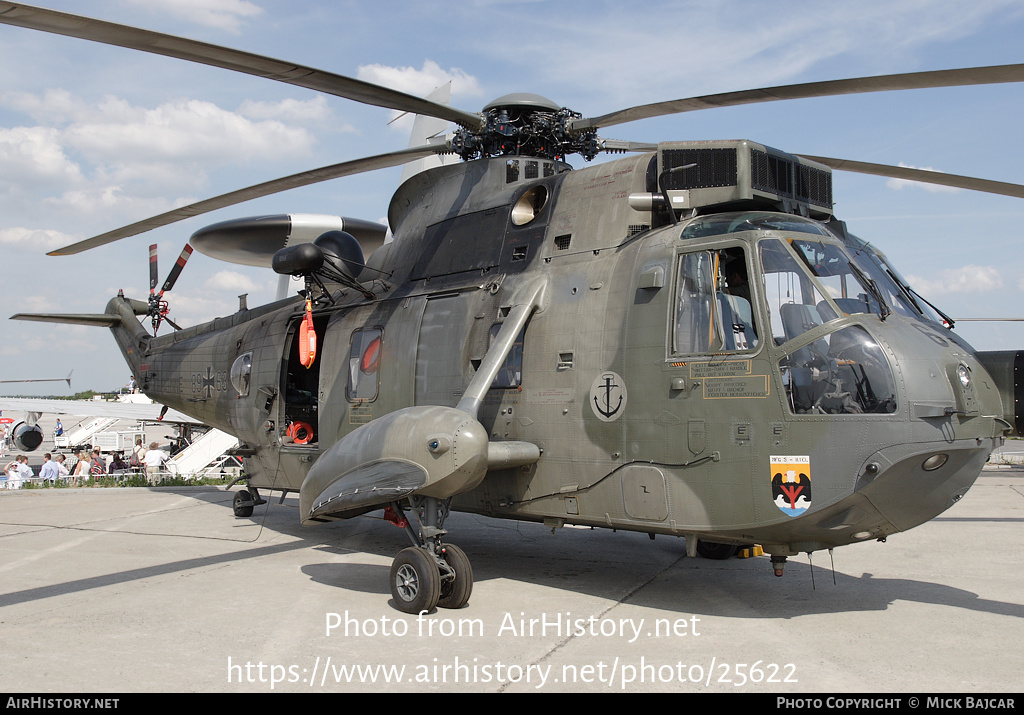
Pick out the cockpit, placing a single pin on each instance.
(808, 280)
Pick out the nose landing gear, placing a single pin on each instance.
(429, 573)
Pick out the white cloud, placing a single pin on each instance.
(113, 128)
(53, 106)
(900, 184)
(190, 307)
(314, 111)
(968, 279)
(183, 130)
(34, 156)
(224, 14)
(231, 281)
(34, 239)
(420, 82)
(132, 161)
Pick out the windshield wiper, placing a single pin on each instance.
(949, 321)
(906, 291)
(884, 311)
(911, 293)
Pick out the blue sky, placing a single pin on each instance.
(94, 137)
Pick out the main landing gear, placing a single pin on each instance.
(429, 573)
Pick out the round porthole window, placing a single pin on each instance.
(529, 205)
(241, 369)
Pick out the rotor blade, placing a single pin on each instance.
(60, 23)
(923, 175)
(911, 80)
(267, 188)
(154, 276)
(615, 145)
(41, 379)
(176, 269)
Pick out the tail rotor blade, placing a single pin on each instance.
(154, 276)
(179, 265)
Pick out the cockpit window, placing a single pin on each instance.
(720, 224)
(713, 304)
(897, 290)
(795, 305)
(844, 372)
(869, 262)
(848, 287)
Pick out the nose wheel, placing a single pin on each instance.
(430, 573)
(415, 580)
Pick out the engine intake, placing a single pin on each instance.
(26, 437)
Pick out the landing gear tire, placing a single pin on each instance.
(455, 592)
(718, 552)
(242, 503)
(415, 581)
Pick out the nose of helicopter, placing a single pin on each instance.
(911, 484)
(898, 488)
(953, 423)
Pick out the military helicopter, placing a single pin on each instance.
(683, 341)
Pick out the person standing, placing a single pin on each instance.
(49, 471)
(81, 469)
(62, 471)
(97, 465)
(154, 459)
(20, 473)
(135, 462)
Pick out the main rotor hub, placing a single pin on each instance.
(526, 124)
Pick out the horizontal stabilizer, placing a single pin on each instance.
(103, 320)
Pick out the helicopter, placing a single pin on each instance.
(683, 341)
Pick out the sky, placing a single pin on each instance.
(95, 137)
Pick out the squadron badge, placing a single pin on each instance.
(791, 484)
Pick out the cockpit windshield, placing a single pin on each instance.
(898, 292)
(839, 372)
(851, 290)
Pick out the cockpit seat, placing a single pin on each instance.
(737, 322)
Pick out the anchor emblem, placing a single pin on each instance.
(608, 397)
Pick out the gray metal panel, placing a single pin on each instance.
(439, 355)
(464, 243)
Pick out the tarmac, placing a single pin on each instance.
(133, 590)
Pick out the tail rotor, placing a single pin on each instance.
(158, 307)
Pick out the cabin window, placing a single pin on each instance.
(511, 373)
(363, 363)
(241, 370)
(714, 312)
